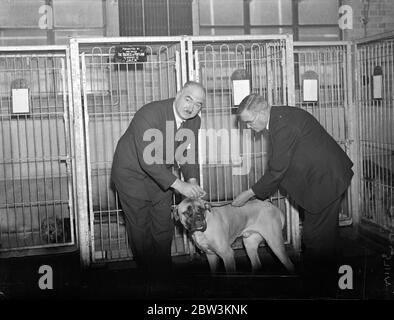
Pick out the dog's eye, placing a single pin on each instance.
(189, 211)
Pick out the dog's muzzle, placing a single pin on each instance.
(192, 214)
(196, 221)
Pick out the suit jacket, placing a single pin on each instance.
(305, 161)
(141, 179)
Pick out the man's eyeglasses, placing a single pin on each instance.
(190, 101)
(251, 122)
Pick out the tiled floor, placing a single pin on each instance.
(19, 277)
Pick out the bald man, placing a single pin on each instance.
(314, 170)
(145, 189)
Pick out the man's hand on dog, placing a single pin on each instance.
(189, 189)
(242, 198)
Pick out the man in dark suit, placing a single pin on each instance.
(142, 172)
(310, 166)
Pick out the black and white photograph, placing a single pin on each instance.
(196, 156)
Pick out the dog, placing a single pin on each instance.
(214, 229)
(379, 186)
(61, 233)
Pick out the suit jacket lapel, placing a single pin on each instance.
(169, 111)
(169, 115)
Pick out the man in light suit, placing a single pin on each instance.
(145, 187)
(310, 166)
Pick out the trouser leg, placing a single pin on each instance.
(320, 256)
(150, 231)
(137, 216)
(162, 229)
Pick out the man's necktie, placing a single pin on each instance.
(177, 144)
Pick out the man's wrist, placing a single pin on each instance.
(251, 192)
(193, 181)
(176, 184)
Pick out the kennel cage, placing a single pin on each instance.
(36, 151)
(375, 98)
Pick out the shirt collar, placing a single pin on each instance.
(178, 119)
(268, 123)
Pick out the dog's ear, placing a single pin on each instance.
(207, 206)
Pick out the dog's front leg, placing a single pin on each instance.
(213, 261)
(228, 259)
